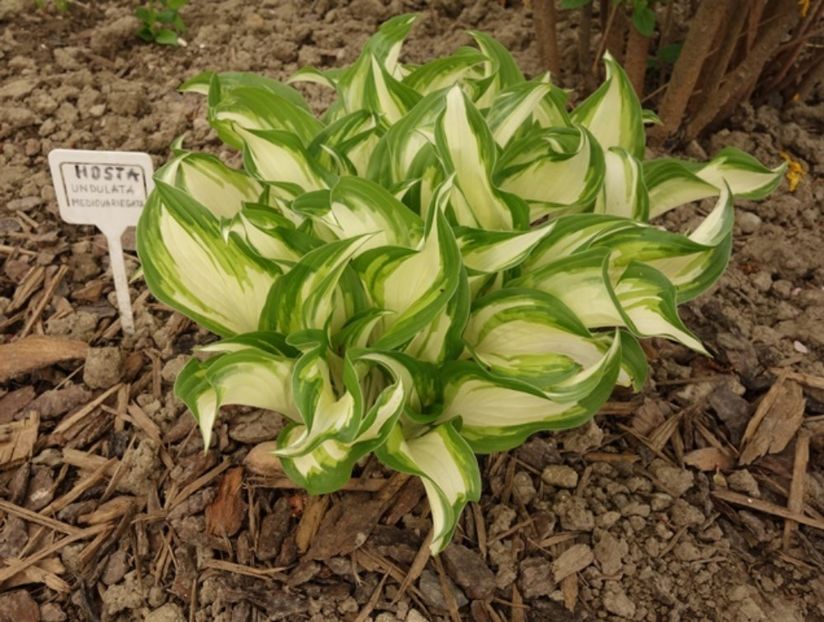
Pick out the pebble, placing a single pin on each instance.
(747, 221)
(660, 501)
(80, 325)
(523, 490)
(675, 480)
(783, 288)
(687, 551)
(24, 204)
(169, 612)
(18, 88)
(683, 514)
(608, 519)
(51, 612)
(609, 552)
(636, 509)
(762, 281)
(536, 578)
(583, 439)
(19, 607)
(469, 571)
(140, 468)
(104, 367)
(560, 475)
(616, 601)
(574, 514)
(743, 481)
(430, 588)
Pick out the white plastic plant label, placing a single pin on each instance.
(106, 189)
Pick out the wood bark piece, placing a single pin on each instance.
(44, 300)
(417, 566)
(39, 519)
(19, 565)
(44, 572)
(262, 461)
(18, 606)
(795, 501)
(574, 559)
(109, 511)
(697, 46)
(17, 439)
(224, 515)
(766, 507)
(774, 425)
(25, 355)
(313, 514)
(14, 401)
(345, 526)
(569, 588)
(709, 459)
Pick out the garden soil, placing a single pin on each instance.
(679, 503)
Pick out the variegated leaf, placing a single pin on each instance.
(220, 283)
(613, 112)
(448, 469)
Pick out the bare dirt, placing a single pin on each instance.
(667, 507)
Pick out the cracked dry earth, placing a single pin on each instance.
(671, 505)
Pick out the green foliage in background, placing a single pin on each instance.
(160, 21)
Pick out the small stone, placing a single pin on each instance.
(18, 88)
(116, 567)
(583, 439)
(172, 368)
(51, 612)
(415, 616)
(24, 204)
(747, 221)
(660, 501)
(123, 596)
(574, 559)
(18, 606)
(140, 468)
(609, 551)
(608, 519)
(169, 612)
(560, 475)
(104, 367)
(687, 552)
(97, 110)
(743, 481)
(633, 508)
(676, 481)
(783, 288)
(683, 514)
(536, 578)
(575, 516)
(762, 281)
(469, 571)
(111, 36)
(522, 488)
(430, 587)
(616, 601)
(800, 347)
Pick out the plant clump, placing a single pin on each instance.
(446, 262)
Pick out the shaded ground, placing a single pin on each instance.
(117, 514)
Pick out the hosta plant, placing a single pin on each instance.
(445, 262)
